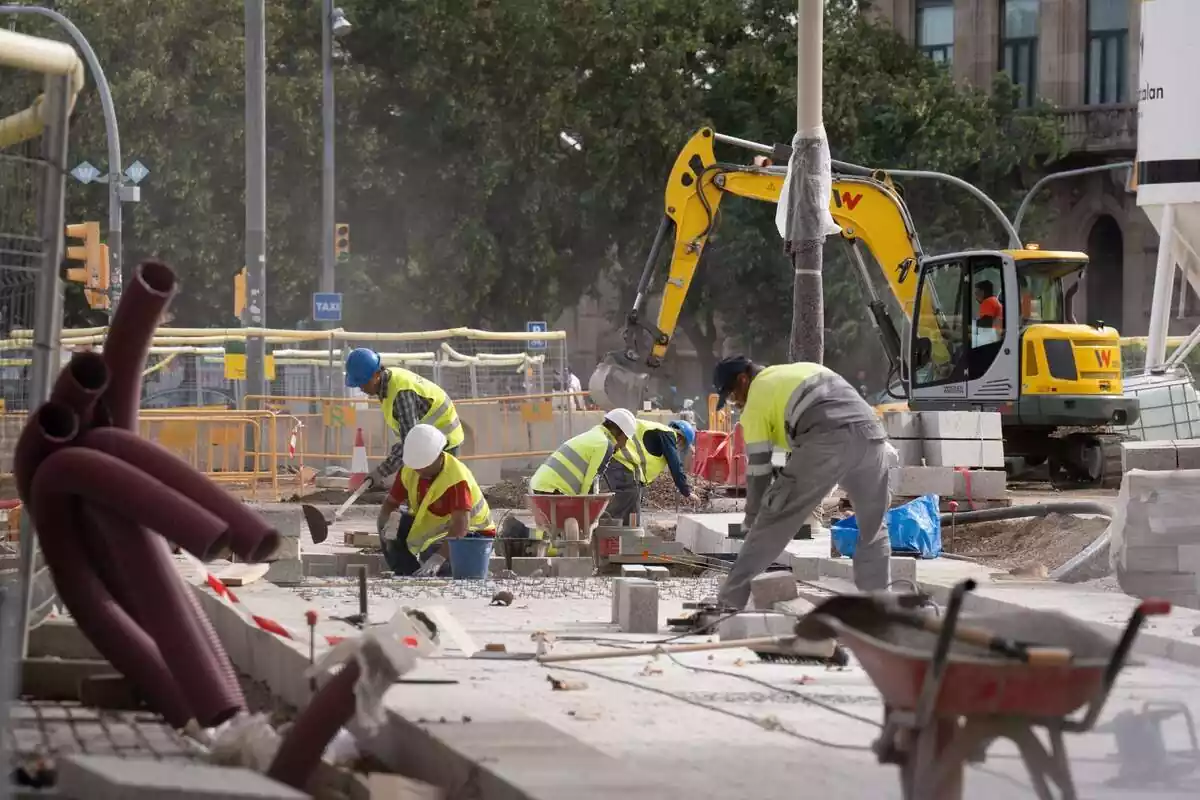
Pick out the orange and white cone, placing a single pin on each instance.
(358, 462)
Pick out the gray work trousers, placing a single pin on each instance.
(818, 462)
(627, 492)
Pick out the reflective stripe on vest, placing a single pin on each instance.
(442, 414)
(574, 466)
(429, 528)
(641, 462)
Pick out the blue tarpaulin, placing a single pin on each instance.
(915, 527)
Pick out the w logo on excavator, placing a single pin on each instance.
(846, 200)
(1104, 358)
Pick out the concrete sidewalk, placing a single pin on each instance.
(642, 727)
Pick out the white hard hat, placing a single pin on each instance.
(623, 419)
(422, 446)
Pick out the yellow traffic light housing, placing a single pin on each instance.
(94, 273)
(341, 241)
(239, 293)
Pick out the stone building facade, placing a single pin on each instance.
(1081, 56)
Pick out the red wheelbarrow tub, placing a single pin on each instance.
(977, 682)
(550, 511)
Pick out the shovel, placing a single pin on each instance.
(318, 525)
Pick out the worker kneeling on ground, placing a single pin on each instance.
(408, 400)
(654, 448)
(833, 437)
(575, 466)
(443, 502)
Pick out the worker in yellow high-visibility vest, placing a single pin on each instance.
(635, 466)
(579, 462)
(832, 437)
(408, 400)
(444, 502)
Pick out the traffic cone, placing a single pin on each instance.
(358, 461)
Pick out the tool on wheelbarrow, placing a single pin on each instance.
(946, 700)
(855, 609)
(318, 525)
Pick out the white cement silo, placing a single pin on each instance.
(1168, 152)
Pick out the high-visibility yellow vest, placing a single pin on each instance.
(641, 462)
(442, 414)
(573, 467)
(429, 528)
(777, 395)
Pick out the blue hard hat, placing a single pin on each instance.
(361, 366)
(687, 429)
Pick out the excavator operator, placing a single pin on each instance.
(833, 437)
(408, 400)
(989, 322)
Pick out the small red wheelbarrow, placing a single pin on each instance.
(951, 687)
(568, 518)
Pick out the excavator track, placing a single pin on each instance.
(1067, 470)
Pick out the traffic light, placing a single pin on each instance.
(94, 255)
(341, 241)
(239, 293)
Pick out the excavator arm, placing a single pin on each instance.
(868, 210)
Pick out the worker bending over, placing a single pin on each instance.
(575, 466)
(833, 437)
(654, 448)
(443, 502)
(408, 400)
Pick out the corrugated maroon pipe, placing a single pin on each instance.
(158, 599)
(330, 708)
(250, 536)
(99, 616)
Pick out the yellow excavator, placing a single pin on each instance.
(985, 329)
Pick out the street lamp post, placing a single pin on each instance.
(333, 25)
(256, 198)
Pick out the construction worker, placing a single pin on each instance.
(636, 465)
(444, 502)
(575, 466)
(833, 437)
(408, 399)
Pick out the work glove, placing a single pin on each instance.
(381, 521)
(430, 568)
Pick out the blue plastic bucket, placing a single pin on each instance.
(470, 557)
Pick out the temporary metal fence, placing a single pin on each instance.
(33, 165)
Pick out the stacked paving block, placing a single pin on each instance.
(957, 455)
(1155, 544)
(635, 605)
(1158, 456)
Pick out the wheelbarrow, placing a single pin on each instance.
(950, 688)
(568, 519)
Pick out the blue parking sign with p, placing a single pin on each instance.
(538, 326)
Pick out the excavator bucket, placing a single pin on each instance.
(618, 382)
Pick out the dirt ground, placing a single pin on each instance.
(1050, 541)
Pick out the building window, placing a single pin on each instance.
(935, 29)
(1107, 45)
(1018, 45)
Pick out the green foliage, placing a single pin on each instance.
(467, 202)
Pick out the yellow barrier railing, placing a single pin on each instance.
(509, 434)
